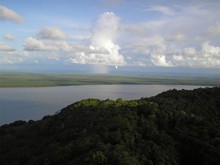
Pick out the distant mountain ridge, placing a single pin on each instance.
(174, 127)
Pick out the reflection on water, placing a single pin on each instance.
(34, 103)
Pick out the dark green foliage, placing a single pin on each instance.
(174, 127)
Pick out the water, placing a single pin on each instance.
(34, 103)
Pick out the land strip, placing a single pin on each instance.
(69, 79)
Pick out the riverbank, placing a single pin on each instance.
(70, 79)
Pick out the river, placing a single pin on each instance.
(34, 103)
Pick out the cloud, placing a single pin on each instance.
(80, 37)
(39, 44)
(189, 51)
(209, 50)
(174, 41)
(214, 30)
(33, 44)
(9, 37)
(177, 37)
(7, 14)
(54, 57)
(207, 57)
(9, 60)
(103, 38)
(12, 57)
(53, 39)
(158, 50)
(4, 47)
(160, 60)
(152, 50)
(103, 49)
(16, 54)
(145, 28)
(161, 9)
(52, 33)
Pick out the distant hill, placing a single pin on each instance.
(172, 128)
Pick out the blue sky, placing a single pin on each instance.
(141, 34)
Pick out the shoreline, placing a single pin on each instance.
(16, 80)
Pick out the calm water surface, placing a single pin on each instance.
(34, 103)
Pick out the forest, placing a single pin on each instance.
(173, 128)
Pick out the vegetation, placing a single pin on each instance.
(172, 128)
(50, 79)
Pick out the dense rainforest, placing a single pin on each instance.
(172, 128)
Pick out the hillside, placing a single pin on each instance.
(174, 127)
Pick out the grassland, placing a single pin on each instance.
(51, 79)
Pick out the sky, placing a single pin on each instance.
(141, 35)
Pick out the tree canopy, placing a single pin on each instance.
(172, 128)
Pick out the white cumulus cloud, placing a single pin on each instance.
(158, 54)
(103, 49)
(209, 50)
(33, 44)
(9, 37)
(8, 14)
(173, 35)
(160, 60)
(52, 33)
(4, 47)
(208, 56)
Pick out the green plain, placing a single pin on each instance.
(68, 79)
